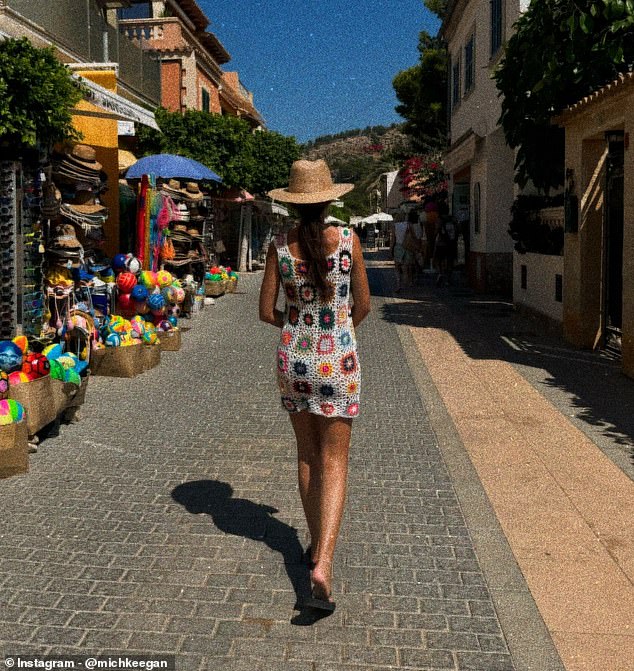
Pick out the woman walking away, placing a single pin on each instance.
(320, 267)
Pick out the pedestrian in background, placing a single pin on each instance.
(405, 242)
(320, 268)
(446, 248)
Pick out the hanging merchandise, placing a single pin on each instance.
(141, 219)
(8, 250)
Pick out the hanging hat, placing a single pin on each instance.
(65, 238)
(192, 191)
(52, 201)
(173, 188)
(88, 209)
(84, 156)
(310, 182)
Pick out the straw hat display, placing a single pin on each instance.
(79, 165)
(64, 247)
(310, 182)
(190, 192)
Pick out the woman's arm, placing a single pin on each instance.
(269, 290)
(359, 284)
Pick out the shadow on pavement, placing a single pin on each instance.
(241, 517)
(488, 327)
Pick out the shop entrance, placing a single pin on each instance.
(614, 218)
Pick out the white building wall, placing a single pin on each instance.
(479, 111)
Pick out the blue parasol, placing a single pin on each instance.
(169, 166)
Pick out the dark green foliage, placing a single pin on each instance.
(562, 51)
(257, 161)
(422, 93)
(527, 229)
(438, 7)
(37, 94)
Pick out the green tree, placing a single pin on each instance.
(256, 162)
(422, 94)
(562, 50)
(273, 155)
(37, 94)
(438, 7)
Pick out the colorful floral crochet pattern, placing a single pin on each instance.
(317, 363)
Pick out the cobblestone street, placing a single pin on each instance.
(168, 521)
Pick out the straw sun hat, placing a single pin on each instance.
(310, 182)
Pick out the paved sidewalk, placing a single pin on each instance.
(562, 491)
(168, 521)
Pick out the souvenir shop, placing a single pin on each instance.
(70, 311)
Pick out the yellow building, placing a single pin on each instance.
(599, 240)
(122, 80)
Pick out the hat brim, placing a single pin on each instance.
(90, 165)
(286, 196)
(88, 209)
(193, 196)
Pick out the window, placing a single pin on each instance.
(497, 11)
(205, 106)
(139, 10)
(469, 64)
(476, 207)
(455, 83)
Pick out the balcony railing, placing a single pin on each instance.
(79, 28)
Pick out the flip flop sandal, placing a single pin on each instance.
(319, 604)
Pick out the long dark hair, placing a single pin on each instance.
(311, 243)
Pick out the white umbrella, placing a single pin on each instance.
(333, 220)
(382, 216)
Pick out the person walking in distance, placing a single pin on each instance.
(405, 243)
(320, 268)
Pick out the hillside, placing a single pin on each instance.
(360, 156)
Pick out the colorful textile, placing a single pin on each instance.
(317, 363)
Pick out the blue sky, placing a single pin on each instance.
(320, 66)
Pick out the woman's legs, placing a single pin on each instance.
(333, 466)
(322, 446)
(307, 435)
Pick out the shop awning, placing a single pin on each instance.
(114, 105)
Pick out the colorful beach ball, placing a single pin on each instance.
(138, 325)
(156, 302)
(10, 356)
(179, 294)
(163, 278)
(148, 279)
(53, 352)
(150, 337)
(113, 340)
(57, 370)
(37, 364)
(18, 377)
(118, 263)
(132, 264)
(22, 342)
(139, 293)
(126, 282)
(10, 411)
(73, 377)
(4, 384)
